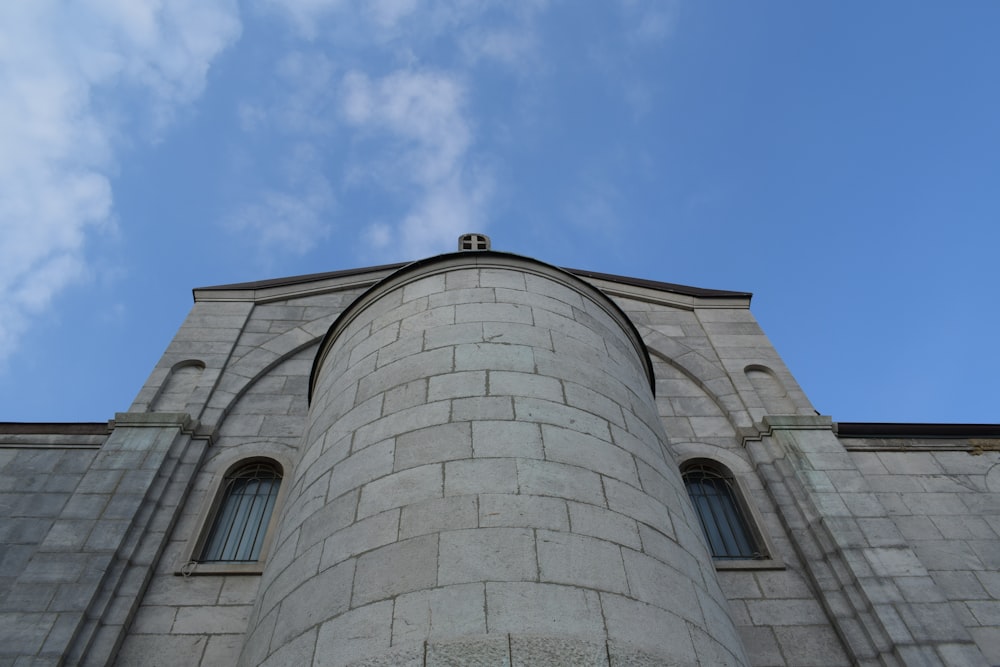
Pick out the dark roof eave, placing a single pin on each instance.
(916, 430)
(55, 428)
(687, 290)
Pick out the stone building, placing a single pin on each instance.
(481, 459)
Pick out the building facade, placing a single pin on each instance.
(481, 459)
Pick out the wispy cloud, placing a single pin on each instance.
(423, 115)
(649, 21)
(58, 143)
(293, 218)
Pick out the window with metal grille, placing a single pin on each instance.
(240, 524)
(716, 500)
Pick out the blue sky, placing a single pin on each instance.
(841, 160)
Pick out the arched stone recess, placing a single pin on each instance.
(677, 363)
(249, 368)
(770, 396)
(271, 405)
(180, 384)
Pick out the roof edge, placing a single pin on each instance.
(686, 290)
(910, 430)
(55, 428)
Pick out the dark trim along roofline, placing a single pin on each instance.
(55, 428)
(913, 430)
(624, 280)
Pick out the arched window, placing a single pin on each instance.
(717, 502)
(247, 501)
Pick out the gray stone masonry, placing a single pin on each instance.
(485, 478)
(455, 418)
(92, 544)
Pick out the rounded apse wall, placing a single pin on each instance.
(483, 480)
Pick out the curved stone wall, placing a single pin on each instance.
(483, 479)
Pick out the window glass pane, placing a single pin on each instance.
(241, 521)
(714, 498)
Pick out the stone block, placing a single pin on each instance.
(528, 608)
(580, 561)
(333, 516)
(423, 286)
(239, 590)
(222, 650)
(630, 501)
(545, 478)
(300, 569)
(988, 641)
(761, 646)
(299, 651)
(508, 333)
(354, 635)
(453, 334)
(67, 535)
(456, 385)
(811, 646)
(556, 652)
(594, 401)
(569, 446)
(410, 343)
(786, 612)
(161, 650)
(438, 514)
(176, 591)
(396, 568)
(492, 650)
(401, 488)
(523, 511)
(321, 597)
(472, 476)
(24, 633)
(54, 568)
(502, 278)
(566, 327)
(444, 442)
(216, 619)
(440, 613)
(506, 439)
(539, 302)
(482, 407)
(605, 524)
(898, 562)
(782, 584)
(557, 414)
(491, 356)
(633, 625)
(509, 383)
(393, 424)
(468, 295)
(411, 365)
(493, 312)
(651, 581)
(459, 279)
(366, 534)
(487, 554)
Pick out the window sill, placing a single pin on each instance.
(750, 564)
(195, 569)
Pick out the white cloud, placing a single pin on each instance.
(56, 60)
(423, 115)
(424, 109)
